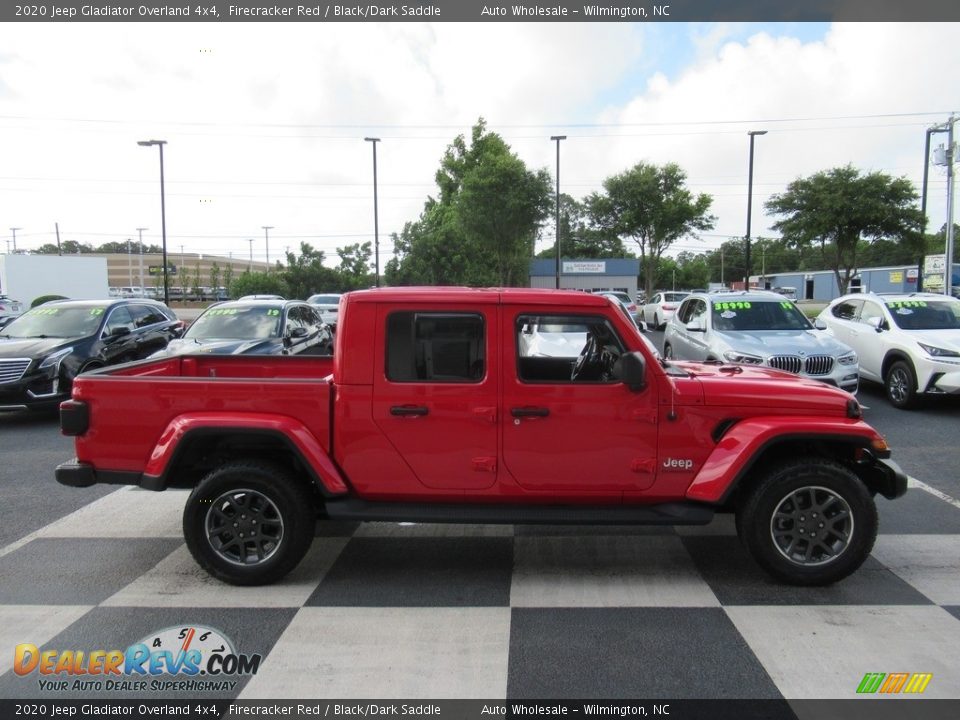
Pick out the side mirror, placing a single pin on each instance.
(819, 324)
(876, 323)
(631, 370)
(121, 331)
(696, 326)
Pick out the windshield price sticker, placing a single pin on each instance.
(906, 303)
(732, 305)
(96, 311)
(273, 313)
(221, 311)
(45, 311)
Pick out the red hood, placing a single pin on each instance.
(738, 386)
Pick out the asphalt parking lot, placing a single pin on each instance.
(436, 611)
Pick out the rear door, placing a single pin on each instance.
(584, 437)
(436, 402)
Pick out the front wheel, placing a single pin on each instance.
(901, 385)
(667, 352)
(809, 522)
(249, 523)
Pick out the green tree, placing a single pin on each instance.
(215, 276)
(258, 283)
(305, 274)
(355, 266)
(837, 209)
(481, 228)
(651, 206)
(67, 247)
(580, 238)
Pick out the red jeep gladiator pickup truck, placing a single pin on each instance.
(502, 406)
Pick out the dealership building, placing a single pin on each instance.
(589, 275)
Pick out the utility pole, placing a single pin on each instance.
(14, 231)
(140, 231)
(948, 156)
(752, 134)
(56, 226)
(250, 264)
(557, 139)
(266, 237)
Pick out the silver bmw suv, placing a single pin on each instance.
(758, 328)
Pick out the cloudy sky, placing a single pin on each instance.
(265, 123)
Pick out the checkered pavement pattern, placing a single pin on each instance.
(493, 612)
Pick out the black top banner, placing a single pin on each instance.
(477, 11)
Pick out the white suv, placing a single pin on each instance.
(908, 342)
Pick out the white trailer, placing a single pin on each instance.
(27, 277)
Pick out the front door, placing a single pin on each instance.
(436, 402)
(570, 429)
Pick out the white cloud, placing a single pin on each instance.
(265, 122)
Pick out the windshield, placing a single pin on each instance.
(55, 321)
(925, 314)
(674, 296)
(236, 323)
(325, 299)
(742, 315)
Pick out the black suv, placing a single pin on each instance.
(45, 348)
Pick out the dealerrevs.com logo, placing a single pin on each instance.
(187, 658)
(893, 683)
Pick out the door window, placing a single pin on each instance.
(435, 347)
(847, 310)
(119, 318)
(549, 347)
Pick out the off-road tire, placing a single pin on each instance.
(802, 499)
(275, 513)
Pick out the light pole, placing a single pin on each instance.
(557, 139)
(752, 134)
(376, 226)
(163, 217)
(140, 232)
(14, 231)
(266, 237)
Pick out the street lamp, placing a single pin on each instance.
(557, 139)
(376, 227)
(266, 237)
(752, 134)
(163, 217)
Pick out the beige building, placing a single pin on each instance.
(186, 270)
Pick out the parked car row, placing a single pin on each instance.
(909, 342)
(43, 349)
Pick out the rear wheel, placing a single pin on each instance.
(809, 522)
(249, 523)
(900, 385)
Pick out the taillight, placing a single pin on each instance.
(631, 307)
(669, 307)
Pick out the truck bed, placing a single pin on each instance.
(132, 406)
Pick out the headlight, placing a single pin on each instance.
(54, 359)
(938, 352)
(742, 358)
(849, 359)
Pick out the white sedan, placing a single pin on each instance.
(661, 308)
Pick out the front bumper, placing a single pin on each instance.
(884, 477)
(939, 377)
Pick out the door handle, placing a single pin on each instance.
(408, 410)
(521, 412)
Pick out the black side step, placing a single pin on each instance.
(662, 514)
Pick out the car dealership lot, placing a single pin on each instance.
(439, 611)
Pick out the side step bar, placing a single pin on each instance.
(662, 514)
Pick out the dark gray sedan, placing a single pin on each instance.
(256, 327)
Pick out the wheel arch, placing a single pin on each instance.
(189, 448)
(894, 356)
(748, 447)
